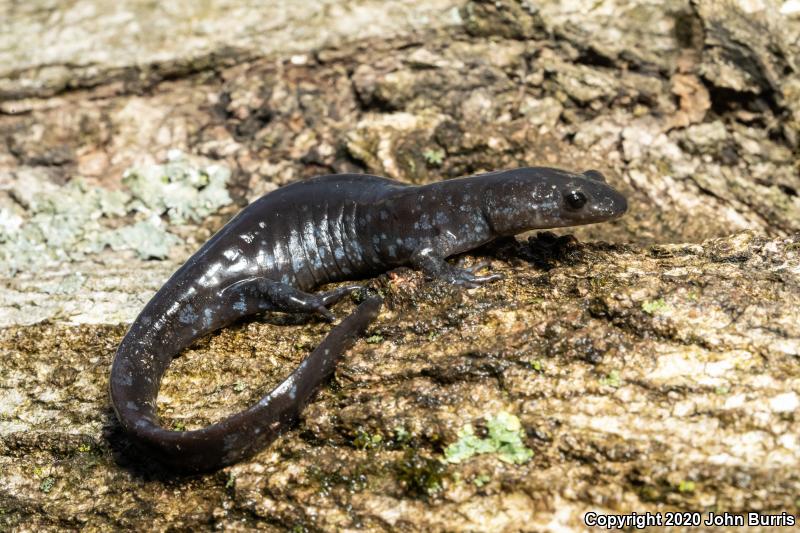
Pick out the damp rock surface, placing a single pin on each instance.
(653, 364)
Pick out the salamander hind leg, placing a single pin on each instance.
(270, 295)
(332, 297)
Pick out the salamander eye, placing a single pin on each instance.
(575, 199)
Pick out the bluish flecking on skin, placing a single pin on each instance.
(325, 229)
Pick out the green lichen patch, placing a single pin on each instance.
(652, 307)
(504, 439)
(47, 484)
(364, 440)
(481, 479)
(374, 339)
(434, 157)
(401, 435)
(612, 379)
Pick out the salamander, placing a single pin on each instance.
(321, 230)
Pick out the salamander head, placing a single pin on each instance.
(525, 199)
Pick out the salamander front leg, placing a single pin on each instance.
(436, 267)
(275, 296)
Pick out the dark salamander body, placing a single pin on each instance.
(325, 229)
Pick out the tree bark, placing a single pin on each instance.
(657, 373)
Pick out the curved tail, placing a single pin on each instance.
(136, 376)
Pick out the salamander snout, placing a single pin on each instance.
(590, 199)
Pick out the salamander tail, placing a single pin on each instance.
(246, 432)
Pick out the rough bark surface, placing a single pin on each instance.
(661, 372)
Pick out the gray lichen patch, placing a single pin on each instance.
(67, 251)
(179, 188)
(45, 225)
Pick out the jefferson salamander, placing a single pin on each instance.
(309, 233)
